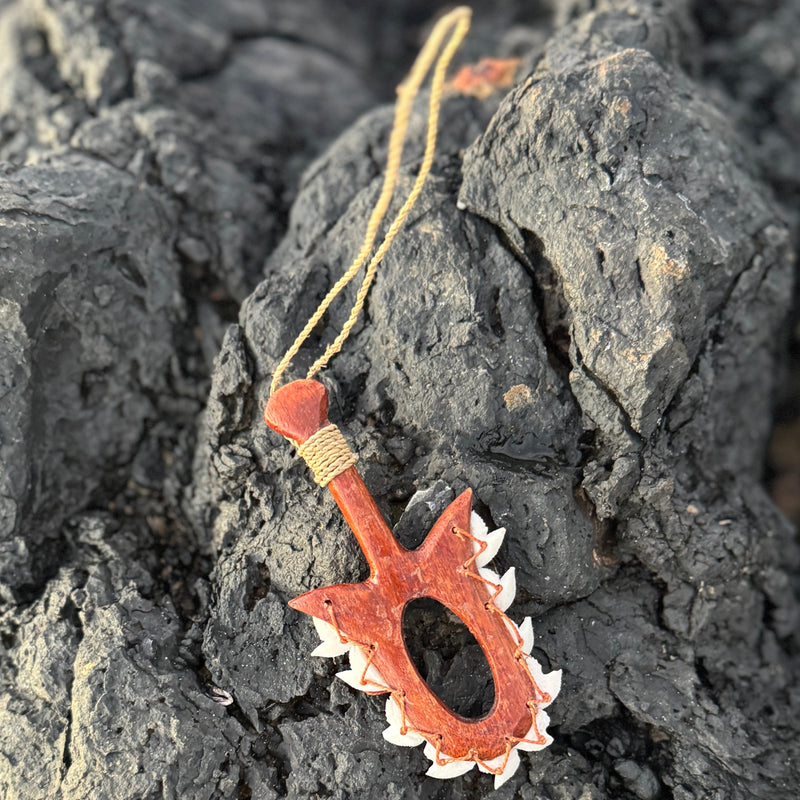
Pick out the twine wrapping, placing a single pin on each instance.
(327, 454)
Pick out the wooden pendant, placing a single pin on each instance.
(366, 618)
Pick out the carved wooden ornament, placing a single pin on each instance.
(365, 619)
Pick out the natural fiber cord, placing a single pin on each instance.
(455, 24)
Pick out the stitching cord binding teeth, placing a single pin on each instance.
(365, 677)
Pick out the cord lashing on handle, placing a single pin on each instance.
(327, 454)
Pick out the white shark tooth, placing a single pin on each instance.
(325, 629)
(429, 751)
(332, 644)
(526, 632)
(330, 649)
(550, 683)
(358, 663)
(493, 542)
(492, 763)
(394, 716)
(542, 721)
(509, 584)
(477, 527)
(353, 679)
(496, 763)
(511, 767)
(393, 736)
(450, 770)
(395, 719)
(491, 576)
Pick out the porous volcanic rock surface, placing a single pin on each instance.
(585, 320)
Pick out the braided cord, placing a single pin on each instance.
(456, 24)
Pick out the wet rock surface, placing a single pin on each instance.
(584, 320)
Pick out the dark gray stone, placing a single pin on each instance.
(581, 320)
(639, 779)
(676, 455)
(91, 285)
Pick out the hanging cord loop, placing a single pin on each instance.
(455, 25)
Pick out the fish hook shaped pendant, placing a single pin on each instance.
(365, 619)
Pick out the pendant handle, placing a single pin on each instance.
(298, 410)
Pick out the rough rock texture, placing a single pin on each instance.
(583, 320)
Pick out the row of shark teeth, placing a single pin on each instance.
(444, 766)
(493, 540)
(334, 644)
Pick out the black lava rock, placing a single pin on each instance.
(583, 320)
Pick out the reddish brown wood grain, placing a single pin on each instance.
(370, 613)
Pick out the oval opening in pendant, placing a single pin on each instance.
(448, 657)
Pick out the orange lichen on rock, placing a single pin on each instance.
(485, 77)
(517, 397)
